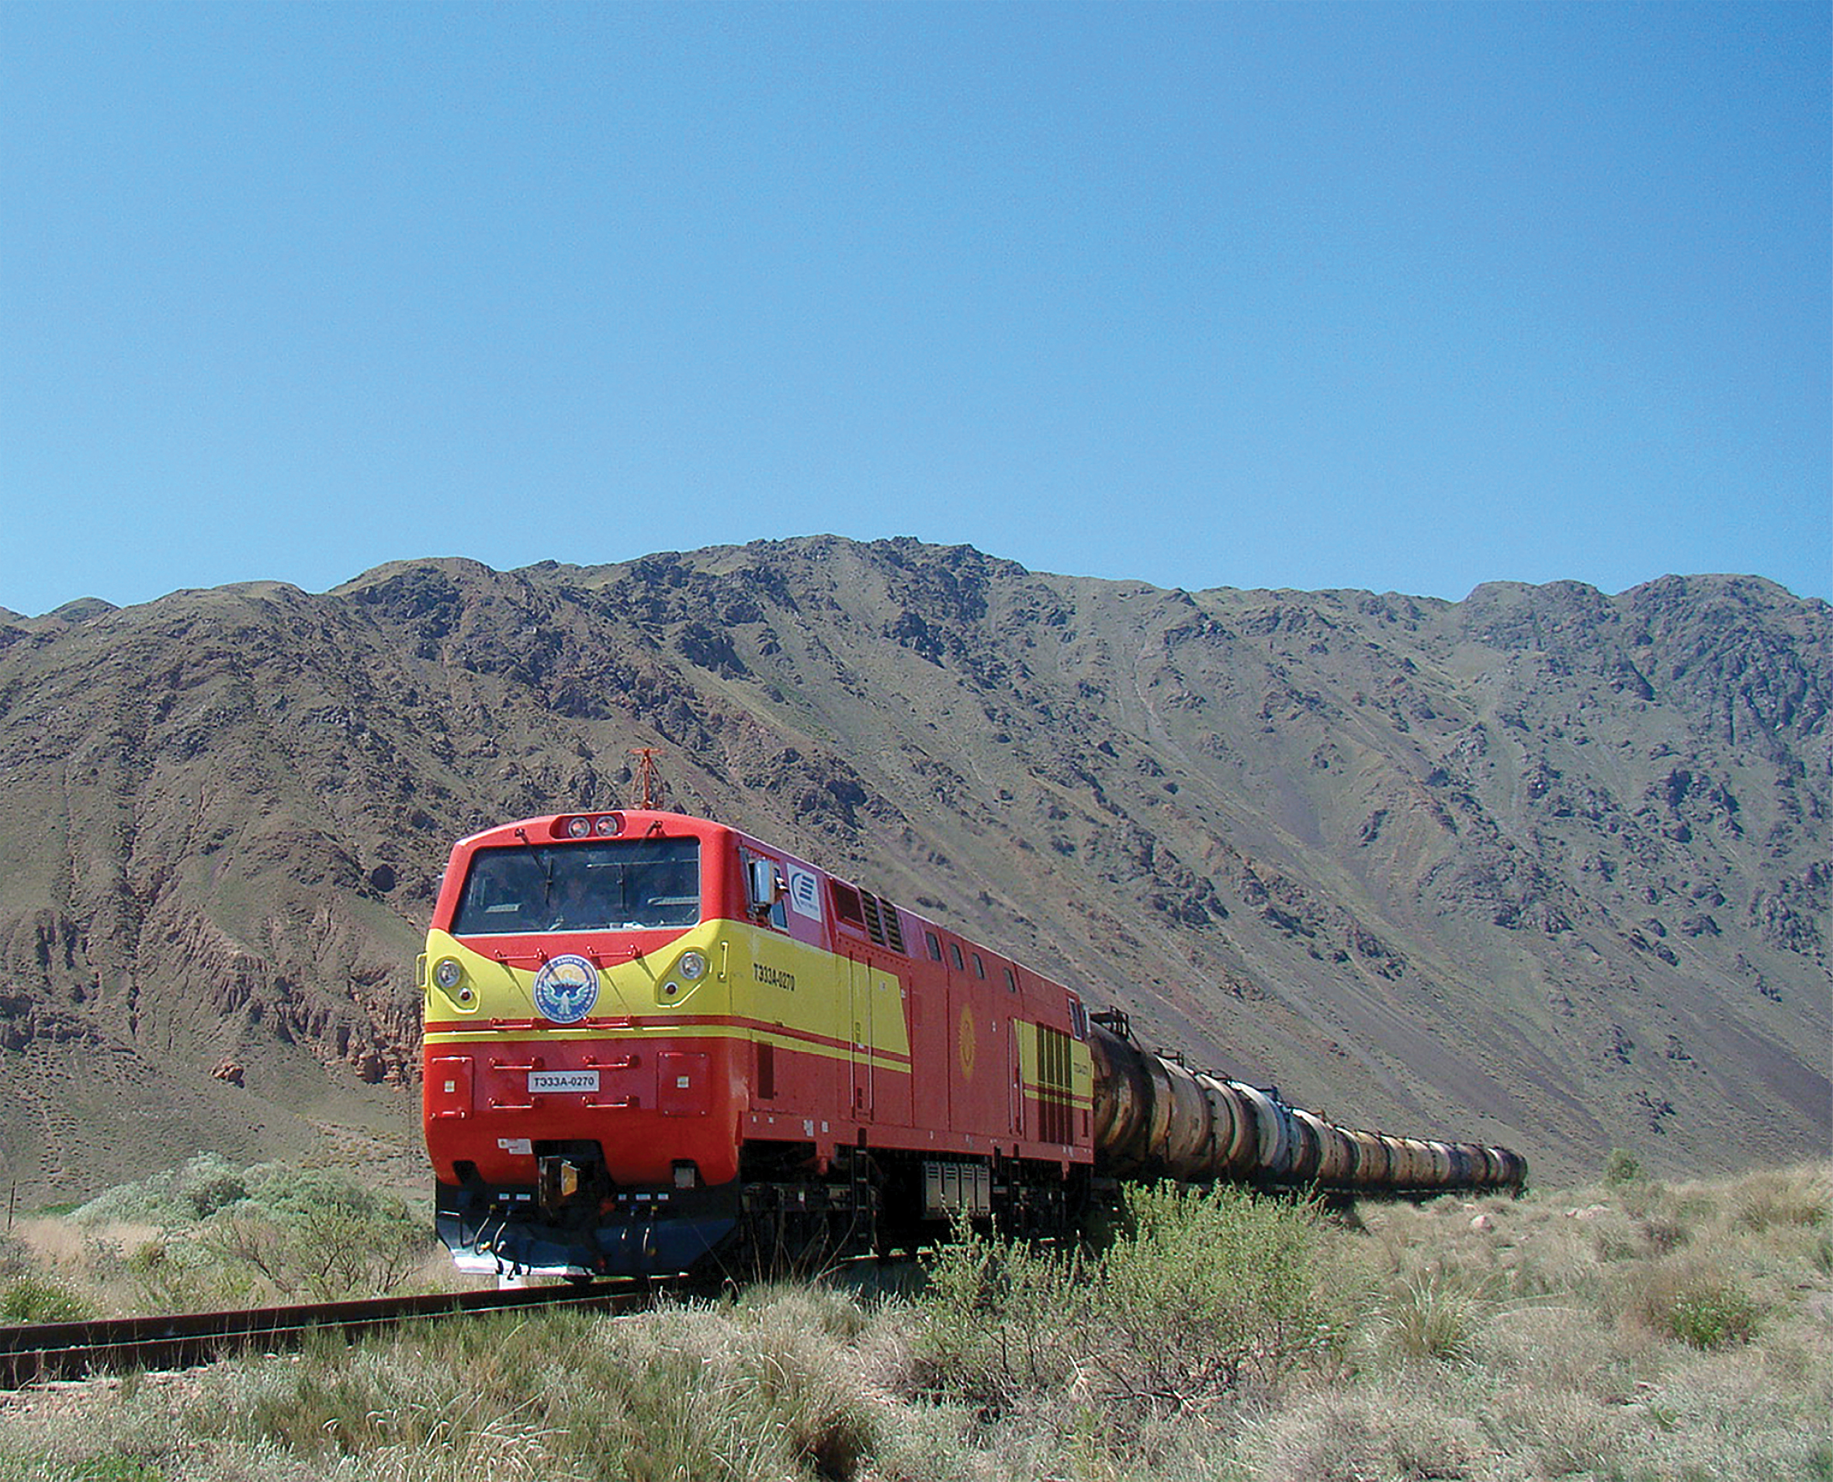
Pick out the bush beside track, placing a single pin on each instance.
(210, 1235)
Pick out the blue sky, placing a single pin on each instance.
(1404, 297)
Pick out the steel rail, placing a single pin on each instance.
(64, 1350)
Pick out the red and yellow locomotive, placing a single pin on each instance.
(651, 1039)
(647, 1034)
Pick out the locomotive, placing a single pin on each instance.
(653, 1043)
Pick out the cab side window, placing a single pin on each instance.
(764, 890)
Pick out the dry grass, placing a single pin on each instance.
(1634, 1331)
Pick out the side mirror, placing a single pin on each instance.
(763, 884)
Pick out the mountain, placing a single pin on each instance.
(1545, 866)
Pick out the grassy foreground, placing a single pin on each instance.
(1630, 1331)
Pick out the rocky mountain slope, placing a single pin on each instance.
(1545, 866)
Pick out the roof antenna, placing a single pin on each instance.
(646, 772)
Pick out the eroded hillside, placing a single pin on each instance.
(1545, 866)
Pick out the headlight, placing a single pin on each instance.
(448, 974)
(692, 966)
(578, 828)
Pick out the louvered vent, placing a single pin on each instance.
(1055, 1087)
(882, 924)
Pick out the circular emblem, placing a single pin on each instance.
(566, 988)
(965, 1044)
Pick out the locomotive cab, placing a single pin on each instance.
(580, 1106)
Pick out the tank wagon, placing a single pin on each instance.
(652, 1041)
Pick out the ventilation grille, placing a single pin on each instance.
(881, 922)
(1055, 1111)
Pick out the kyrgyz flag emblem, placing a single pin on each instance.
(566, 988)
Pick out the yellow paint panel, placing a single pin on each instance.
(807, 989)
(800, 990)
(633, 988)
(1077, 1089)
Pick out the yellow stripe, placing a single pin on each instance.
(1058, 1095)
(486, 1036)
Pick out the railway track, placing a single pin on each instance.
(68, 1350)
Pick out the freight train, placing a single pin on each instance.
(655, 1043)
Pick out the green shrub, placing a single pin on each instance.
(28, 1299)
(1209, 1289)
(184, 1273)
(1621, 1167)
(239, 1235)
(1000, 1320)
(117, 1469)
(204, 1184)
(106, 1467)
(1200, 1293)
(1692, 1302)
(1711, 1315)
(326, 1239)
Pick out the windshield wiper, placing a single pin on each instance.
(547, 866)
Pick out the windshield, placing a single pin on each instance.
(620, 885)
